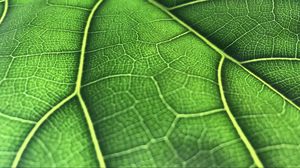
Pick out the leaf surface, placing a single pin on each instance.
(149, 84)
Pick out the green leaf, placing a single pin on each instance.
(167, 83)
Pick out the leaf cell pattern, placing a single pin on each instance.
(166, 83)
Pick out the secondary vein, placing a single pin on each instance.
(186, 4)
(5, 11)
(223, 56)
(78, 86)
(235, 124)
(221, 52)
(77, 93)
(270, 59)
(35, 128)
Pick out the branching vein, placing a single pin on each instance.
(35, 129)
(78, 86)
(233, 120)
(221, 52)
(64, 101)
(223, 55)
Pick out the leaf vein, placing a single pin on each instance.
(65, 100)
(95, 140)
(5, 11)
(233, 120)
(223, 56)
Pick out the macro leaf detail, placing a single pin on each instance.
(165, 83)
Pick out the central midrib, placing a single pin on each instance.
(77, 92)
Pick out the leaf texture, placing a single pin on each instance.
(138, 83)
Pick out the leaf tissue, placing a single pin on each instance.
(149, 83)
